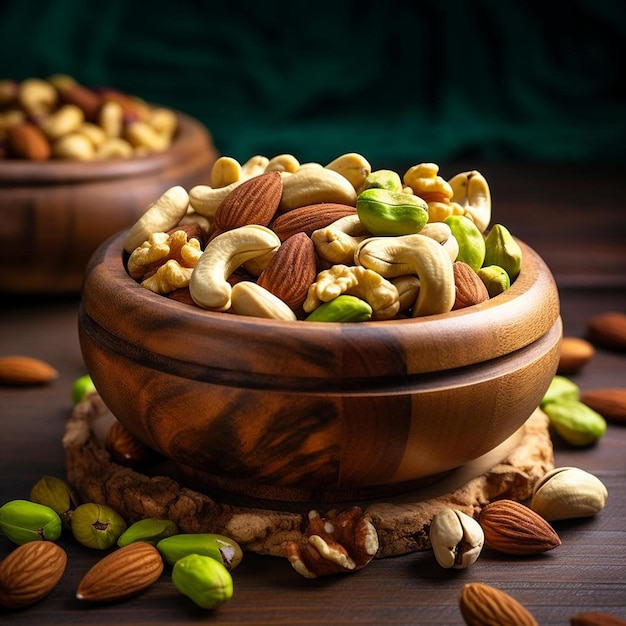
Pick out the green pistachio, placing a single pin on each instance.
(97, 525)
(151, 530)
(203, 580)
(23, 521)
(575, 422)
(383, 179)
(471, 241)
(81, 387)
(58, 495)
(391, 213)
(223, 549)
(503, 250)
(495, 279)
(560, 388)
(344, 308)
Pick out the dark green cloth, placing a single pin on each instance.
(395, 81)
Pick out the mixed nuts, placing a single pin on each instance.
(278, 239)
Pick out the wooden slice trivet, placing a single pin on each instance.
(509, 471)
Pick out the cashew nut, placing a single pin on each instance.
(471, 191)
(249, 298)
(413, 254)
(205, 199)
(314, 185)
(352, 166)
(161, 216)
(338, 242)
(225, 171)
(357, 281)
(67, 119)
(442, 234)
(37, 96)
(111, 118)
(408, 287)
(254, 166)
(208, 286)
(142, 135)
(283, 163)
(74, 146)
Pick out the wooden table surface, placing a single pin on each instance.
(573, 216)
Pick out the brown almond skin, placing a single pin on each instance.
(610, 402)
(123, 573)
(83, 97)
(483, 605)
(27, 141)
(17, 370)
(254, 201)
(575, 354)
(307, 219)
(596, 619)
(470, 289)
(291, 271)
(608, 330)
(511, 527)
(30, 573)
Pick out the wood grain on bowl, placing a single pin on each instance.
(306, 406)
(54, 214)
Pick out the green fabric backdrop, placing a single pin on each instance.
(396, 81)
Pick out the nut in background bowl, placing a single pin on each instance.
(55, 214)
(313, 411)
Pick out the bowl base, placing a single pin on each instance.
(509, 471)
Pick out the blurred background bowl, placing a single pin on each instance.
(53, 215)
(303, 411)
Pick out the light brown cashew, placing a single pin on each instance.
(471, 191)
(423, 178)
(352, 166)
(142, 135)
(111, 118)
(248, 298)
(205, 199)
(161, 216)
(254, 166)
(114, 147)
(208, 286)
(67, 119)
(37, 96)
(164, 121)
(338, 242)
(283, 163)
(408, 287)
(442, 233)
(96, 135)
(74, 146)
(357, 281)
(225, 171)
(313, 185)
(413, 254)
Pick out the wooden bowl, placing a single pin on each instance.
(303, 411)
(54, 215)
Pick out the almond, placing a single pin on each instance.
(291, 270)
(608, 330)
(513, 528)
(610, 402)
(307, 219)
(596, 619)
(30, 572)
(575, 353)
(27, 141)
(24, 370)
(83, 97)
(470, 289)
(122, 573)
(483, 605)
(254, 201)
(125, 448)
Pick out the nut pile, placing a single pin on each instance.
(59, 118)
(137, 554)
(278, 239)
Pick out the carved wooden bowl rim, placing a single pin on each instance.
(21, 172)
(511, 321)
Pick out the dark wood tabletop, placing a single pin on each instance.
(573, 215)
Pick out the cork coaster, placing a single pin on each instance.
(509, 471)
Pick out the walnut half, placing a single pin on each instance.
(341, 542)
